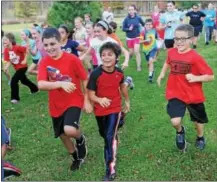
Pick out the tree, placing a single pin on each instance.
(186, 4)
(25, 9)
(64, 12)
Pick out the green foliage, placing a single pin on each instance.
(25, 9)
(186, 4)
(64, 12)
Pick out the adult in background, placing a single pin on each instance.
(196, 20)
(209, 22)
(131, 26)
(170, 21)
(107, 15)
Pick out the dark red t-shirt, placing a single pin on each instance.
(107, 85)
(180, 65)
(67, 68)
(15, 55)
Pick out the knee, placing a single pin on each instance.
(71, 131)
(176, 121)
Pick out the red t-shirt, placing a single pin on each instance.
(180, 65)
(160, 32)
(15, 55)
(107, 85)
(67, 68)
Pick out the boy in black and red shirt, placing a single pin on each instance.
(184, 87)
(16, 55)
(104, 88)
(61, 73)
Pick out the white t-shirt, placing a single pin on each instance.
(96, 43)
(107, 16)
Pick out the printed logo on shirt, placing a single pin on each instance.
(179, 67)
(55, 75)
(68, 50)
(14, 59)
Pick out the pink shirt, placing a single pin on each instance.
(93, 53)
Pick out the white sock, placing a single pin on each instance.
(150, 73)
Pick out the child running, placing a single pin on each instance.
(61, 74)
(104, 88)
(17, 56)
(148, 38)
(188, 70)
(30, 44)
(67, 44)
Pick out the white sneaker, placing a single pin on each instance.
(14, 101)
(129, 82)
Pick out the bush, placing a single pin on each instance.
(65, 12)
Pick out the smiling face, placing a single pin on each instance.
(170, 7)
(6, 42)
(89, 29)
(35, 34)
(182, 41)
(23, 36)
(52, 47)
(148, 25)
(108, 58)
(99, 32)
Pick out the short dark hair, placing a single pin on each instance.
(173, 2)
(149, 20)
(111, 46)
(51, 33)
(195, 5)
(11, 38)
(189, 29)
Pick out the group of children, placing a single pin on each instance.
(72, 90)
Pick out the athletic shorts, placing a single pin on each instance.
(176, 108)
(197, 30)
(131, 42)
(151, 54)
(169, 43)
(35, 61)
(71, 117)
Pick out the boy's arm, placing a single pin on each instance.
(124, 91)
(127, 57)
(87, 104)
(202, 78)
(104, 102)
(162, 74)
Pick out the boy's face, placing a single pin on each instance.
(108, 58)
(52, 47)
(148, 25)
(182, 41)
(195, 8)
(170, 7)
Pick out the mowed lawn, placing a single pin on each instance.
(147, 142)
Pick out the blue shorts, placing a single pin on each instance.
(151, 54)
(4, 134)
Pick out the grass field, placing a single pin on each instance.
(147, 150)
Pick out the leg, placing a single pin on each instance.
(25, 81)
(67, 143)
(32, 69)
(14, 85)
(131, 52)
(199, 117)
(111, 128)
(176, 110)
(206, 35)
(138, 56)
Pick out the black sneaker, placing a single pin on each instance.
(194, 46)
(207, 43)
(110, 177)
(200, 143)
(180, 140)
(76, 164)
(82, 148)
(150, 79)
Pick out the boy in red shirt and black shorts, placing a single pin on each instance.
(184, 87)
(61, 73)
(104, 88)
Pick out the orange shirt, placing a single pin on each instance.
(115, 37)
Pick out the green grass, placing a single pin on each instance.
(147, 150)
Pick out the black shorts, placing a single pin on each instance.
(169, 43)
(35, 61)
(70, 117)
(176, 108)
(197, 30)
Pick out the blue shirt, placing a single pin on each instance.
(135, 22)
(210, 13)
(33, 47)
(71, 47)
(174, 20)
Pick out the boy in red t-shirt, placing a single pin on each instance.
(184, 87)
(17, 56)
(61, 73)
(104, 88)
